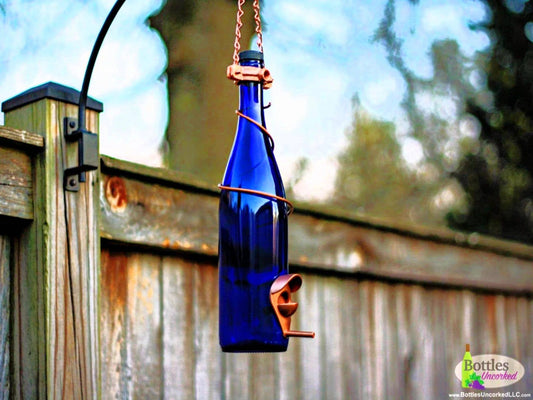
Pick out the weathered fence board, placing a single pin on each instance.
(28, 141)
(167, 213)
(143, 326)
(311, 371)
(59, 255)
(289, 368)
(113, 344)
(178, 323)
(374, 339)
(28, 341)
(16, 191)
(392, 308)
(23, 323)
(5, 320)
(206, 355)
(16, 174)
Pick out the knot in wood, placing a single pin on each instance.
(115, 194)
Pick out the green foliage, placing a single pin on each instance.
(372, 174)
(374, 179)
(498, 175)
(492, 165)
(202, 102)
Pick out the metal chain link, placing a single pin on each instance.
(258, 30)
(238, 26)
(237, 45)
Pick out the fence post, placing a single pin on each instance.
(56, 323)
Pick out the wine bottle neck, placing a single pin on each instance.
(251, 100)
(251, 93)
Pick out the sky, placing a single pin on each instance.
(42, 41)
(329, 60)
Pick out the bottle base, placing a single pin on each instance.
(254, 347)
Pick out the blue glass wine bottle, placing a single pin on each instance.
(252, 231)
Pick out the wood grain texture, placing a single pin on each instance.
(374, 339)
(28, 328)
(29, 338)
(16, 184)
(173, 216)
(207, 357)
(391, 309)
(63, 243)
(311, 366)
(144, 327)
(5, 319)
(116, 372)
(178, 305)
(11, 137)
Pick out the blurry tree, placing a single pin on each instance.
(378, 180)
(492, 192)
(373, 177)
(300, 168)
(424, 98)
(490, 160)
(199, 36)
(498, 175)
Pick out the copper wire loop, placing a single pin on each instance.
(261, 194)
(258, 192)
(263, 129)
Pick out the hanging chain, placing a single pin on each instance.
(238, 26)
(237, 72)
(258, 30)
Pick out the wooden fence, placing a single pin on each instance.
(111, 292)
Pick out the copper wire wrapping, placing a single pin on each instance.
(239, 73)
(263, 129)
(260, 194)
(253, 191)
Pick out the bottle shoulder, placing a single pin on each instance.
(252, 164)
(263, 176)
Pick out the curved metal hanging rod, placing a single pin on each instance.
(82, 104)
(88, 159)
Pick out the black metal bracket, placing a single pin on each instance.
(88, 159)
(76, 130)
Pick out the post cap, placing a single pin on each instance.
(50, 90)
